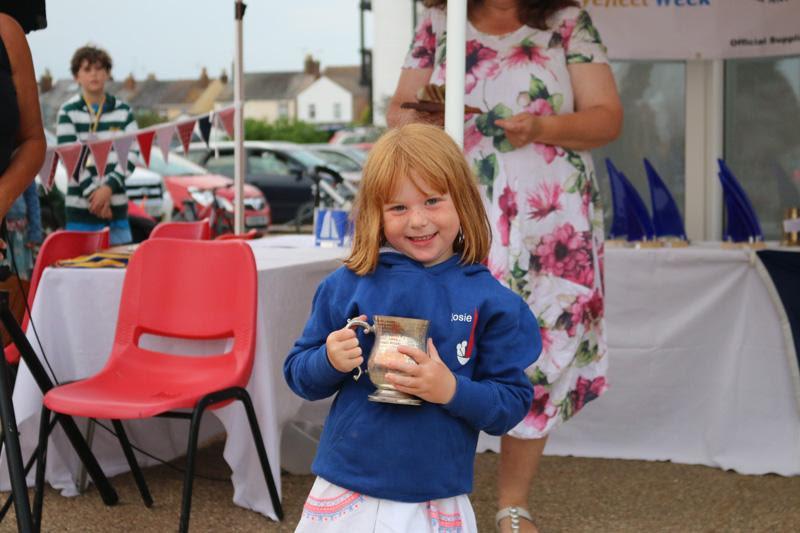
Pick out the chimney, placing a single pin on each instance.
(46, 81)
(129, 84)
(310, 66)
(223, 77)
(204, 80)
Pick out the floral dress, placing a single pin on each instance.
(543, 201)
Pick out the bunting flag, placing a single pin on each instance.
(47, 173)
(70, 154)
(145, 142)
(100, 150)
(75, 155)
(185, 130)
(164, 138)
(225, 118)
(122, 146)
(204, 125)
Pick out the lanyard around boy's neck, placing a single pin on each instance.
(94, 115)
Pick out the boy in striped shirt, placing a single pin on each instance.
(94, 202)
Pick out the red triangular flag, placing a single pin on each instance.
(100, 150)
(185, 130)
(48, 171)
(164, 138)
(70, 154)
(122, 145)
(225, 117)
(145, 141)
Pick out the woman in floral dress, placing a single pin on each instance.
(538, 71)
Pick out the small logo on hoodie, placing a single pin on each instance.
(464, 348)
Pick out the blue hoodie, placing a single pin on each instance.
(483, 332)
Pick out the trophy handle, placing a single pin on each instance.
(354, 323)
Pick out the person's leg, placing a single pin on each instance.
(120, 232)
(519, 462)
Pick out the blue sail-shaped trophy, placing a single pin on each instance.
(743, 225)
(667, 220)
(619, 221)
(638, 224)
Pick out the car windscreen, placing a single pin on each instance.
(307, 158)
(340, 160)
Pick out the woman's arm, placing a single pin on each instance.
(28, 157)
(410, 82)
(597, 119)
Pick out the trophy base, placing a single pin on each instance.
(393, 396)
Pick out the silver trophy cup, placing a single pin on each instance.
(391, 332)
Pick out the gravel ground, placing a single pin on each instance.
(573, 495)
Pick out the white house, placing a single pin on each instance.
(325, 102)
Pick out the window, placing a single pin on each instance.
(337, 110)
(312, 111)
(762, 134)
(221, 165)
(653, 98)
(283, 110)
(267, 163)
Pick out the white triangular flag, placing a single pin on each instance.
(122, 146)
(164, 138)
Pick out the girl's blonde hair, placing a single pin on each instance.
(418, 152)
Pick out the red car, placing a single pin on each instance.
(197, 194)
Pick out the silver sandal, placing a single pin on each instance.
(515, 513)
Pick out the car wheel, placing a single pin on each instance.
(303, 215)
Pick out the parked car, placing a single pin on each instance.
(285, 172)
(348, 157)
(363, 137)
(195, 189)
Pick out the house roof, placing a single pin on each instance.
(348, 77)
(270, 86)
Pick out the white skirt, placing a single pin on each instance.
(330, 508)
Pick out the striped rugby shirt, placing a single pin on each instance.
(73, 124)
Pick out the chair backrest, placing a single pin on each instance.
(197, 231)
(57, 246)
(195, 290)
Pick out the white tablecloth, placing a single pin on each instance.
(75, 313)
(699, 371)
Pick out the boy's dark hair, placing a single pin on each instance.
(91, 54)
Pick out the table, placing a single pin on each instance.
(700, 370)
(77, 338)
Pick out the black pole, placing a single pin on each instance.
(16, 471)
(366, 59)
(107, 492)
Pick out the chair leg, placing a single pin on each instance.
(191, 450)
(262, 454)
(41, 461)
(135, 470)
(90, 427)
(31, 460)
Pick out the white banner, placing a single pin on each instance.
(697, 29)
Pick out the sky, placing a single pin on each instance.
(177, 38)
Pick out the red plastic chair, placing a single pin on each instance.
(250, 235)
(57, 246)
(196, 231)
(160, 296)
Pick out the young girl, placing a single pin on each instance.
(420, 236)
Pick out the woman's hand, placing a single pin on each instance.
(521, 129)
(344, 353)
(429, 379)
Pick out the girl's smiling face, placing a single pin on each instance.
(420, 223)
